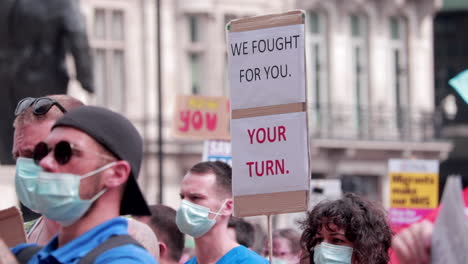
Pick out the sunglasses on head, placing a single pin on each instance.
(39, 105)
(63, 152)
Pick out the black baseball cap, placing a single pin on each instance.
(120, 137)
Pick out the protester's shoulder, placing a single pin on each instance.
(243, 255)
(126, 254)
(193, 260)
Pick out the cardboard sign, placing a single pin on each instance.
(6, 256)
(269, 118)
(414, 187)
(7, 186)
(11, 227)
(217, 150)
(201, 117)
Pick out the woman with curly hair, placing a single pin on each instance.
(348, 230)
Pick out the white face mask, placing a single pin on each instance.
(192, 219)
(325, 253)
(57, 195)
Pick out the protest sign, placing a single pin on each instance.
(217, 150)
(270, 154)
(201, 117)
(6, 256)
(11, 227)
(7, 187)
(449, 237)
(414, 187)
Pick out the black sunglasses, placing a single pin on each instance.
(63, 152)
(40, 105)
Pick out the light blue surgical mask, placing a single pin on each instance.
(326, 253)
(192, 219)
(278, 261)
(25, 181)
(57, 195)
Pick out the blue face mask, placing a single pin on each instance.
(25, 181)
(192, 219)
(326, 253)
(56, 195)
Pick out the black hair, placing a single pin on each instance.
(245, 232)
(221, 170)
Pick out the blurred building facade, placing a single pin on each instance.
(369, 68)
(451, 58)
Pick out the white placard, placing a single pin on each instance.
(413, 166)
(271, 154)
(267, 66)
(217, 150)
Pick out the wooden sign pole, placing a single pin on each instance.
(270, 239)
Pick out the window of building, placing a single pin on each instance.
(194, 25)
(195, 72)
(195, 48)
(399, 69)
(364, 185)
(108, 41)
(317, 43)
(227, 19)
(359, 70)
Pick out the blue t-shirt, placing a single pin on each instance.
(237, 255)
(73, 251)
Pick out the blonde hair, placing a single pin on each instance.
(142, 233)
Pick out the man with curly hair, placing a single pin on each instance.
(347, 230)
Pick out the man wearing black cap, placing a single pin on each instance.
(86, 178)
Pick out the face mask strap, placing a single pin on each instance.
(99, 194)
(105, 167)
(220, 209)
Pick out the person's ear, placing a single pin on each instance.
(163, 250)
(117, 174)
(228, 207)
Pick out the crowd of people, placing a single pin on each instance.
(78, 166)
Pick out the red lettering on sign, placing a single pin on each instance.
(251, 133)
(279, 165)
(272, 134)
(261, 135)
(211, 120)
(185, 118)
(250, 163)
(197, 120)
(282, 131)
(267, 167)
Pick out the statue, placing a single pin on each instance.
(35, 36)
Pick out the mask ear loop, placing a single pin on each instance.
(220, 209)
(89, 174)
(105, 167)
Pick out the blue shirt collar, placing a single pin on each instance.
(82, 245)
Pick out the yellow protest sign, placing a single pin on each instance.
(414, 190)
